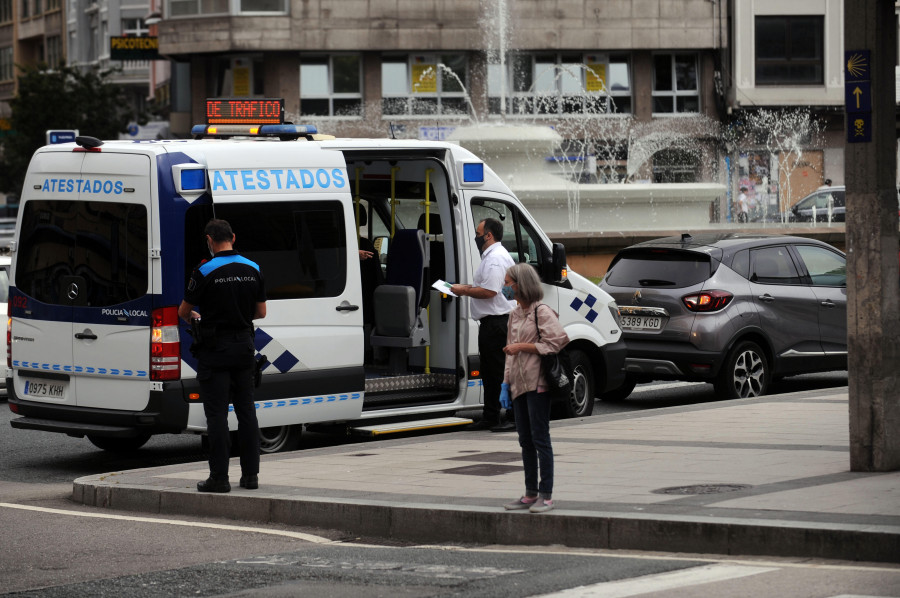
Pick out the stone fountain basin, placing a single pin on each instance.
(517, 154)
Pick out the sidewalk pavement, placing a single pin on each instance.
(764, 476)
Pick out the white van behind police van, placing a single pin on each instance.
(109, 232)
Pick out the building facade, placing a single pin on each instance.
(600, 71)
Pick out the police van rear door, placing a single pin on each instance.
(290, 206)
(82, 306)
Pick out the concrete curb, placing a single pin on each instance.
(429, 523)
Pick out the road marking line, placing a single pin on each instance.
(664, 581)
(625, 554)
(231, 528)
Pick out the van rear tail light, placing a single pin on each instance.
(707, 301)
(165, 345)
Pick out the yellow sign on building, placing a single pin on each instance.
(595, 76)
(424, 78)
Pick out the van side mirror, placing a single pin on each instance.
(552, 270)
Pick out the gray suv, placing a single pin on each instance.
(731, 309)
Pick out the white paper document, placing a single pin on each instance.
(444, 287)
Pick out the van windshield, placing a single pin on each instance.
(99, 247)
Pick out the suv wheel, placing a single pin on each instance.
(621, 393)
(745, 373)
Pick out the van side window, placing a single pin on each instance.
(99, 247)
(519, 236)
(301, 247)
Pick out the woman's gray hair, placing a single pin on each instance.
(526, 277)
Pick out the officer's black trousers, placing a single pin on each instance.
(218, 386)
(491, 340)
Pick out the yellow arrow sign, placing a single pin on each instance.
(857, 92)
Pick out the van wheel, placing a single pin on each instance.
(580, 402)
(621, 393)
(279, 439)
(744, 374)
(119, 445)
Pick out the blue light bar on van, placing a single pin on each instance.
(193, 180)
(283, 131)
(473, 172)
(288, 130)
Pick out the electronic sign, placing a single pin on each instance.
(244, 111)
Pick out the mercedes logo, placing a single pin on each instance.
(73, 291)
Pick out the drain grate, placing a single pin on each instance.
(482, 469)
(703, 489)
(495, 457)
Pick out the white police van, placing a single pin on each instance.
(109, 232)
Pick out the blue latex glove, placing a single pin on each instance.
(504, 396)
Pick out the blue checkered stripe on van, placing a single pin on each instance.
(585, 307)
(278, 357)
(78, 369)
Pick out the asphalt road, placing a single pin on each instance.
(50, 547)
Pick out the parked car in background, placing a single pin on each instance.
(820, 201)
(5, 261)
(731, 309)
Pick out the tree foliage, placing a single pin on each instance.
(60, 98)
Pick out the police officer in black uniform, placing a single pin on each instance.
(231, 294)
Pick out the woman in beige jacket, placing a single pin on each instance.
(524, 383)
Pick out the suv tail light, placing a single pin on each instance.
(165, 345)
(707, 301)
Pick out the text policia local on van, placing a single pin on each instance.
(221, 180)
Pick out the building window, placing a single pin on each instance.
(592, 84)
(6, 11)
(6, 64)
(277, 6)
(37, 7)
(134, 28)
(186, 8)
(53, 5)
(789, 50)
(26, 9)
(424, 85)
(54, 51)
(675, 86)
(239, 77)
(331, 86)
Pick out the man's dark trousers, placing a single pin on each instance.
(491, 340)
(219, 385)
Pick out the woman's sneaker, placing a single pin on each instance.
(523, 503)
(541, 506)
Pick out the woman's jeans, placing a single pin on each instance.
(532, 411)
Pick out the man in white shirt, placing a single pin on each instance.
(742, 207)
(491, 309)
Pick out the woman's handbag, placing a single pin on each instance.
(556, 368)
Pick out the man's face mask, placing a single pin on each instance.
(479, 242)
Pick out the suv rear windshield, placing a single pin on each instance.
(659, 268)
(99, 246)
